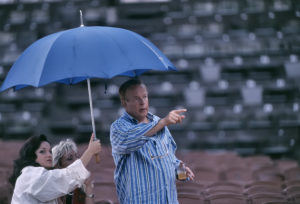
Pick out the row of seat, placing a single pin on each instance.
(224, 178)
(230, 179)
(194, 92)
(221, 49)
(218, 175)
(232, 193)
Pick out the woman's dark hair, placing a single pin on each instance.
(126, 85)
(27, 156)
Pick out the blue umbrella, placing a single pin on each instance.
(78, 54)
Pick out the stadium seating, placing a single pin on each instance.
(207, 187)
(238, 76)
(229, 53)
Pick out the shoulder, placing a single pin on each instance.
(156, 118)
(32, 171)
(121, 123)
(152, 117)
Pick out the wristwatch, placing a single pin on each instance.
(90, 195)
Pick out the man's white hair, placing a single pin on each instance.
(64, 147)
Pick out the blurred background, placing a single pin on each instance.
(238, 72)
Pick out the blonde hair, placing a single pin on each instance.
(64, 147)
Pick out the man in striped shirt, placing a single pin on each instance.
(144, 150)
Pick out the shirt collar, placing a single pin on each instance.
(133, 120)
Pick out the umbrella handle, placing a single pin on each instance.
(92, 116)
(97, 157)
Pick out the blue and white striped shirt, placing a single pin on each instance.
(145, 166)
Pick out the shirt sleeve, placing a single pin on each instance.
(173, 147)
(126, 137)
(46, 185)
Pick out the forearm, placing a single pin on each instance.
(86, 157)
(47, 185)
(89, 198)
(127, 146)
(173, 117)
(128, 139)
(160, 125)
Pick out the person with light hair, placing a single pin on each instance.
(64, 154)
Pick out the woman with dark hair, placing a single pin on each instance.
(27, 156)
(36, 182)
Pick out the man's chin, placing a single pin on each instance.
(145, 113)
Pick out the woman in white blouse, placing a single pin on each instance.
(36, 182)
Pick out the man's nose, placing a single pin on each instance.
(142, 100)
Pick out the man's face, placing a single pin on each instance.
(136, 102)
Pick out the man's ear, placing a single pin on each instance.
(123, 103)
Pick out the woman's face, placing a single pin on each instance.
(44, 155)
(68, 159)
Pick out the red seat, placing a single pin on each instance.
(226, 198)
(260, 198)
(292, 174)
(189, 198)
(240, 175)
(206, 176)
(189, 187)
(224, 187)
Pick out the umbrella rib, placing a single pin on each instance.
(120, 48)
(41, 74)
(160, 58)
(156, 54)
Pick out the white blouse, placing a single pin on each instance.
(38, 185)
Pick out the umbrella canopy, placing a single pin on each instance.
(82, 53)
(78, 54)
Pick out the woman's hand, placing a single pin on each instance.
(94, 145)
(89, 186)
(89, 191)
(93, 148)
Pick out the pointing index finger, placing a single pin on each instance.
(180, 110)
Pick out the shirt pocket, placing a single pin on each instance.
(157, 148)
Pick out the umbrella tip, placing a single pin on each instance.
(81, 20)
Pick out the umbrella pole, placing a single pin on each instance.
(92, 114)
